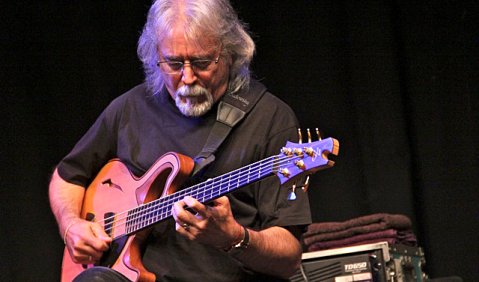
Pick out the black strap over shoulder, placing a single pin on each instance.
(231, 110)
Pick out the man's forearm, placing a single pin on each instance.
(65, 201)
(273, 251)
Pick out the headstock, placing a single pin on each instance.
(305, 158)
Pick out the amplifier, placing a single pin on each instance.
(378, 262)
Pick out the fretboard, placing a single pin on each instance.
(155, 211)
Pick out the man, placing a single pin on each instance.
(194, 53)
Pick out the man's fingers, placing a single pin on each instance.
(82, 253)
(100, 240)
(199, 208)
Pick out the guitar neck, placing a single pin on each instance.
(155, 211)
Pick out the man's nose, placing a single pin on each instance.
(188, 76)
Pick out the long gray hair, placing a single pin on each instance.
(213, 18)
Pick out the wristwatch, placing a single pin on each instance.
(241, 245)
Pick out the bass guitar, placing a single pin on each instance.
(126, 205)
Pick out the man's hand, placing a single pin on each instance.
(273, 250)
(213, 225)
(86, 241)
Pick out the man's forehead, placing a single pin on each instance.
(180, 37)
(170, 46)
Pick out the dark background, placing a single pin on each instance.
(397, 83)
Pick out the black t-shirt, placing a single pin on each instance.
(138, 128)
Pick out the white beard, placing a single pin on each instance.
(186, 99)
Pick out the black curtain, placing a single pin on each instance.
(396, 82)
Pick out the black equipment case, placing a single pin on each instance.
(377, 262)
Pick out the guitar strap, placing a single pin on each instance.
(231, 110)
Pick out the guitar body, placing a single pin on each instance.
(115, 190)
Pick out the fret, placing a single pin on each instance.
(144, 217)
(128, 224)
(201, 195)
(210, 195)
(138, 218)
(238, 182)
(147, 215)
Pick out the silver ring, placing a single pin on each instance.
(186, 226)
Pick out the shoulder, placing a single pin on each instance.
(136, 97)
(273, 107)
(276, 104)
(137, 93)
(272, 118)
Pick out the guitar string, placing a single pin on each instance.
(144, 214)
(233, 177)
(148, 209)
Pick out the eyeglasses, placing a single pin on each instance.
(198, 66)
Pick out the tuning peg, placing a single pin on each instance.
(309, 151)
(309, 135)
(287, 151)
(300, 136)
(317, 133)
(300, 164)
(298, 152)
(285, 172)
(305, 185)
(292, 193)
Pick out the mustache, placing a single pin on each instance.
(192, 91)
